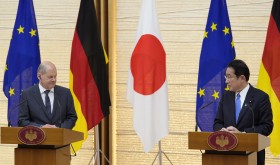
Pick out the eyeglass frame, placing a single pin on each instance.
(228, 78)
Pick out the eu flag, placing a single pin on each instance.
(217, 51)
(23, 58)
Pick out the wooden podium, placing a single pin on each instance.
(245, 153)
(54, 150)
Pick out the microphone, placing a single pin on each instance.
(59, 109)
(16, 106)
(251, 109)
(201, 108)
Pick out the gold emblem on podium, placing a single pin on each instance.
(222, 140)
(31, 135)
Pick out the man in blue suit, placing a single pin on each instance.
(46, 104)
(254, 114)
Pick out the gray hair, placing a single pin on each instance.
(44, 66)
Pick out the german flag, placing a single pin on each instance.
(88, 72)
(269, 76)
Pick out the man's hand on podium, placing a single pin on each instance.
(49, 126)
(231, 129)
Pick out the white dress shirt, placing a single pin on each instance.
(43, 95)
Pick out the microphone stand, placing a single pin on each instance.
(253, 114)
(201, 108)
(13, 108)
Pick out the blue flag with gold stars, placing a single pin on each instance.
(217, 51)
(23, 58)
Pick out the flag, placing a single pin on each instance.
(147, 84)
(88, 72)
(269, 74)
(217, 51)
(22, 60)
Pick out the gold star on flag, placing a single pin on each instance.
(32, 32)
(201, 92)
(227, 88)
(12, 91)
(213, 26)
(205, 34)
(20, 29)
(226, 30)
(106, 56)
(215, 94)
(232, 43)
(6, 67)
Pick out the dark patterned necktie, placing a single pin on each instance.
(48, 102)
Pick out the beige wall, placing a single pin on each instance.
(182, 24)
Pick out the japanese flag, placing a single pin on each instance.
(147, 85)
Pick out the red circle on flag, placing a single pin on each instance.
(148, 65)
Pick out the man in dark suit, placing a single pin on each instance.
(254, 114)
(46, 104)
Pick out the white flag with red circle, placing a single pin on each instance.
(147, 83)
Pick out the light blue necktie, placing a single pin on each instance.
(237, 106)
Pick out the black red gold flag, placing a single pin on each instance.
(88, 75)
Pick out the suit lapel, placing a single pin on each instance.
(232, 108)
(37, 96)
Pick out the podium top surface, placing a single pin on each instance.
(246, 141)
(53, 136)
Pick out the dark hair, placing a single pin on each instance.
(240, 68)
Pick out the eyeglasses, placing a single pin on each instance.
(229, 77)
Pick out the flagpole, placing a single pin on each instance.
(159, 153)
(97, 152)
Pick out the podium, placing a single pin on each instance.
(54, 150)
(245, 152)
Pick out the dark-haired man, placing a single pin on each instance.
(243, 108)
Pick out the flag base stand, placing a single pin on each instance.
(97, 151)
(159, 155)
